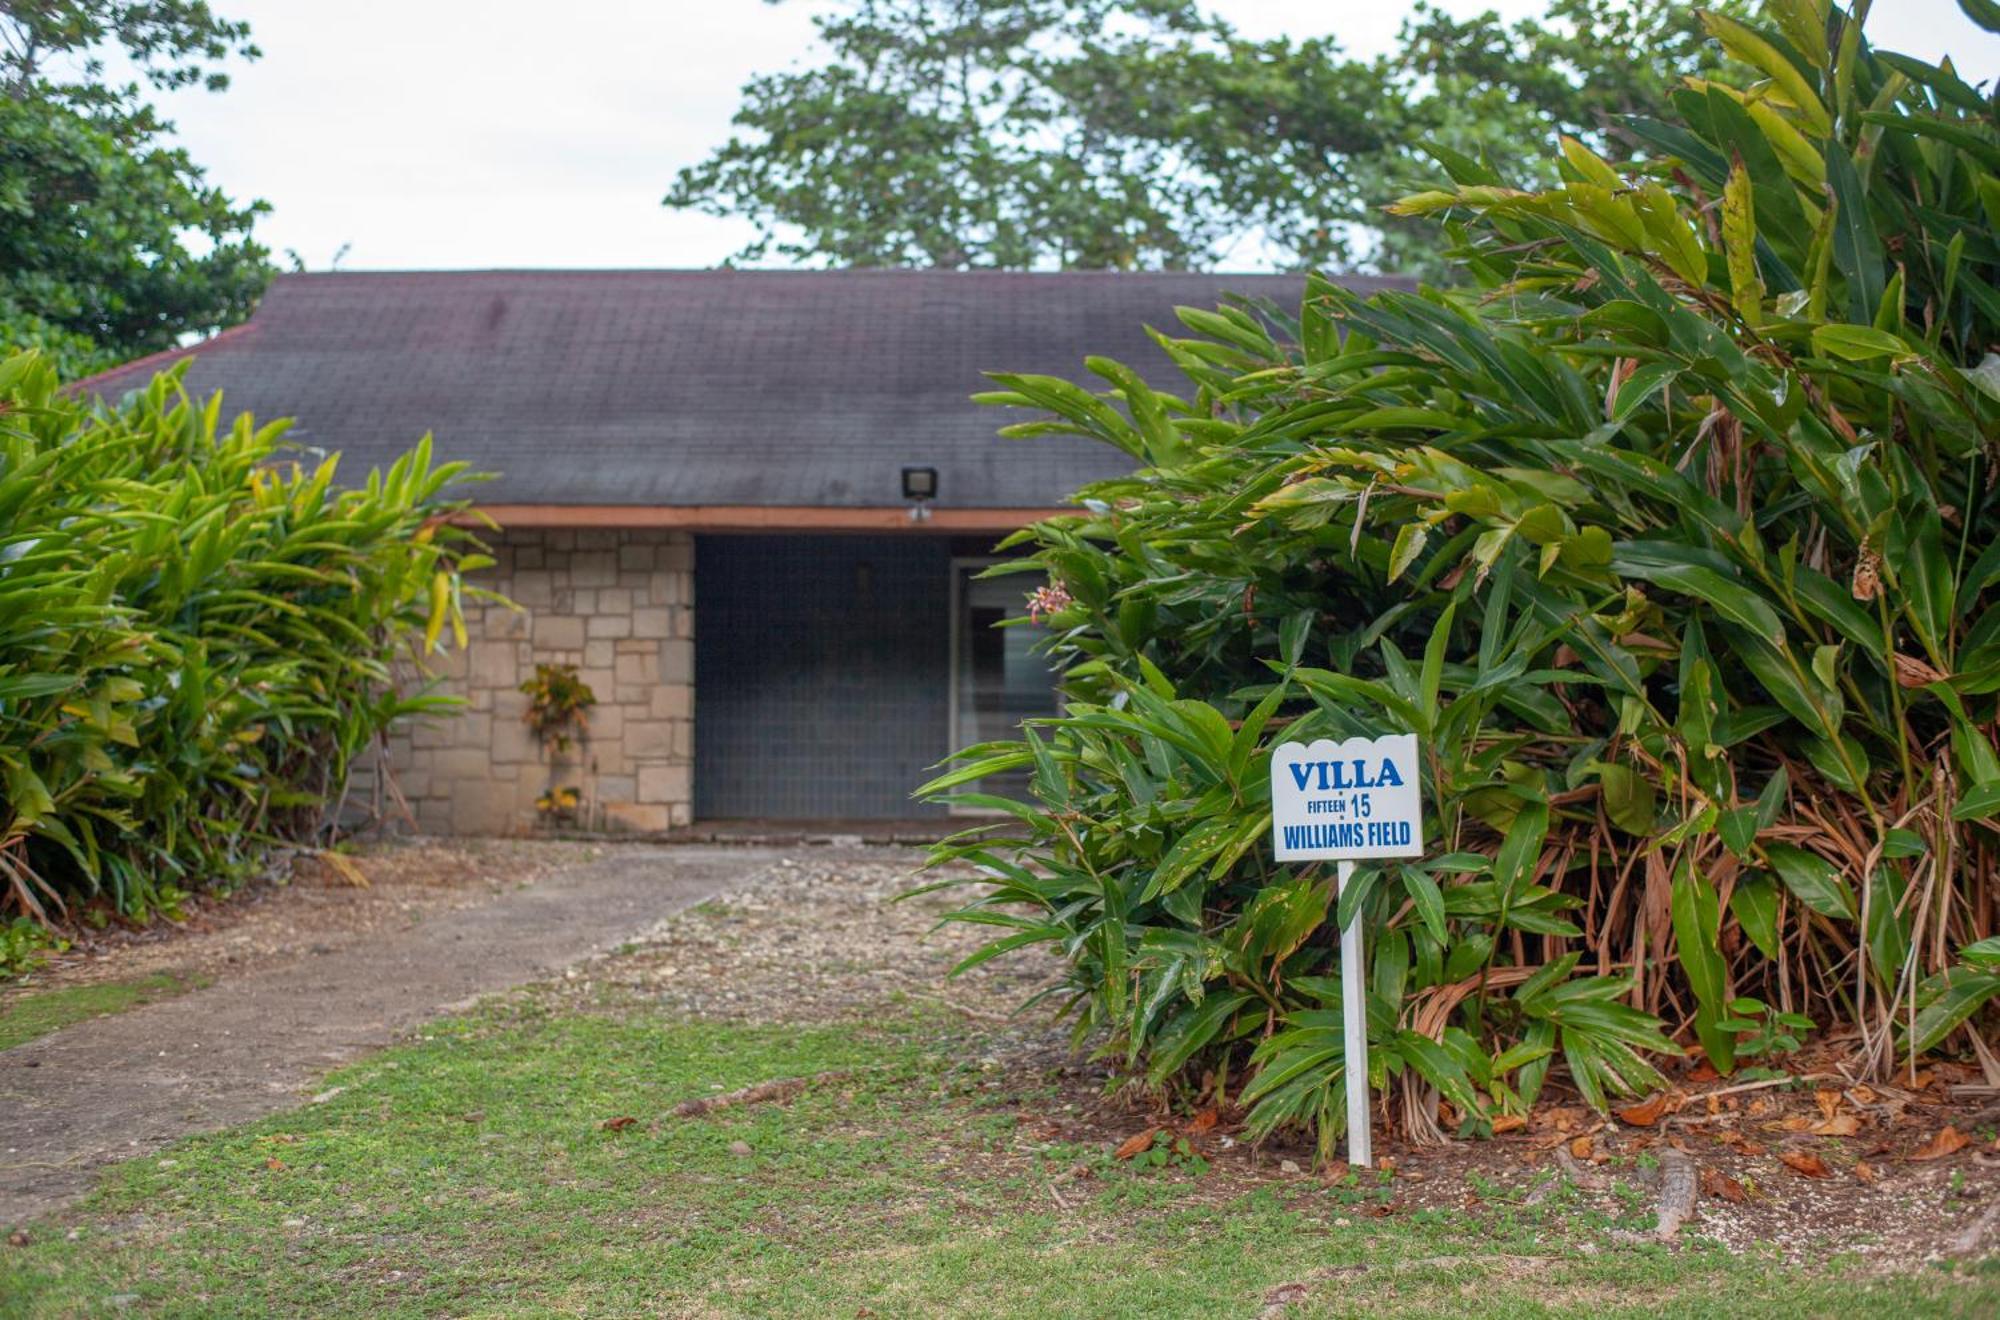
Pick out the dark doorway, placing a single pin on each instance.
(822, 675)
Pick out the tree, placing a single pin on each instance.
(1148, 133)
(112, 244)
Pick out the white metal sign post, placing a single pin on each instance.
(1346, 802)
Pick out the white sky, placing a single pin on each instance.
(479, 133)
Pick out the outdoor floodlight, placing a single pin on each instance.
(920, 483)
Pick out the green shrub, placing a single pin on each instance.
(196, 636)
(1675, 538)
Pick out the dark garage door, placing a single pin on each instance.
(821, 675)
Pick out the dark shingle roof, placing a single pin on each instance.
(771, 388)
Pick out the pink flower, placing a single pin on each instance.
(1051, 599)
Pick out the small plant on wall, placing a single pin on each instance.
(558, 705)
(559, 806)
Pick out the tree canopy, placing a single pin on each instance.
(1150, 134)
(112, 242)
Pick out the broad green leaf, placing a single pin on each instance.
(1858, 343)
(1813, 880)
(1949, 999)
(1754, 904)
(1746, 44)
(1629, 800)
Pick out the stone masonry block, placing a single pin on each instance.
(593, 568)
(649, 739)
(493, 665)
(535, 591)
(677, 661)
(637, 817)
(515, 743)
(432, 733)
(638, 669)
(502, 623)
(451, 764)
(481, 812)
(665, 783)
(607, 757)
(558, 633)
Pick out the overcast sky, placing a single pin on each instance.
(477, 133)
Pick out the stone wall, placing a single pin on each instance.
(619, 605)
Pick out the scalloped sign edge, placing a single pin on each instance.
(1359, 799)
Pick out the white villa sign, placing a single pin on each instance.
(1345, 802)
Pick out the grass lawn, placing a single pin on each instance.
(471, 1173)
(40, 1012)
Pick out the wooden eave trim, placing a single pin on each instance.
(758, 518)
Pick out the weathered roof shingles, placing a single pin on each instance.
(752, 388)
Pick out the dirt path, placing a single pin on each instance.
(251, 1043)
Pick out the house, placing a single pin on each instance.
(747, 506)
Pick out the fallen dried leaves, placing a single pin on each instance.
(1805, 1162)
(1137, 1144)
(1949, 1140)
(1716, 1183)
(1649, 1112)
